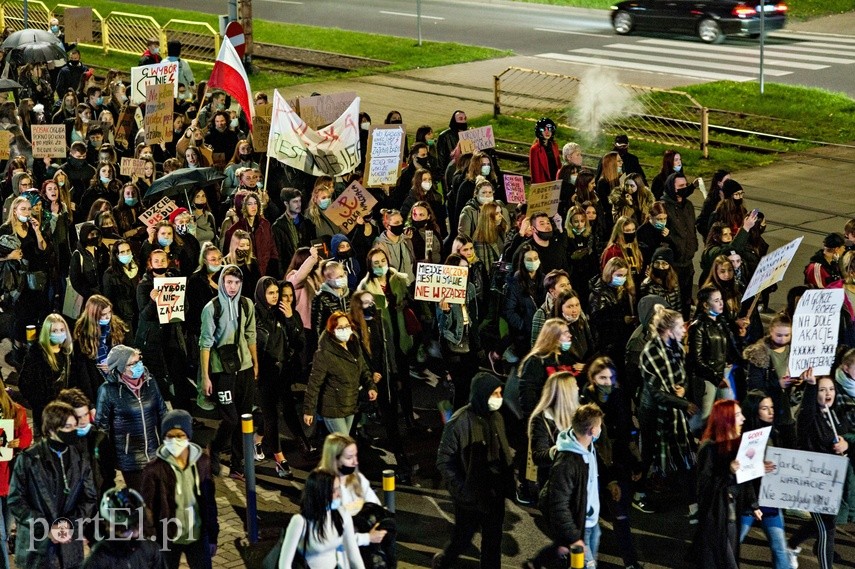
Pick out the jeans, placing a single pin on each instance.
(338, 424)
(592, 544)
(773, 527)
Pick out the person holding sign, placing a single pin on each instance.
(716, 544)
(458, 336)
(397, 244)
(543, 159)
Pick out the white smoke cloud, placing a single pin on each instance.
(600, 99)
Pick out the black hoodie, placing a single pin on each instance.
(86, 268)
(447, 141)
(681, 221)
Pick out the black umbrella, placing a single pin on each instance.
(184, 179)
(38, 52)
(28, 36)
(9, 85)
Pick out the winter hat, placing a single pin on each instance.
(176, 213)
(646, 308)
(483, 386)
(177, 419)
(730, 187)
(622, 140)
(833, 241)
(118, 357)
(663, 254)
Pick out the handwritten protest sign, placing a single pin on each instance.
(157, 74)
(353, 203)
(514, 188)
(809, 481)
(321, 110)
(481, 137)
(385, 149)
(48, 140)
(544, 197)
(78, 24)
(158, 212)
(771, 268)
(132, 167)
(261, 127)
(170, 298)
(816, 324)
(331, 151)
(752, 450)
(5, 140)
(465, 146)
(7, 429)
(157, 123)
(436, 283)
(126, 124)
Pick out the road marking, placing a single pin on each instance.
(410, 15)
(814, 36)
(682, 61)
(292, 2)
(552, 31)
(685, 61)
(819, 47)
(770, 51)
(440, 510)
(606, 62)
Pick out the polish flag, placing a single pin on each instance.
(229, 75)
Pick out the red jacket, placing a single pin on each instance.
(538, 164)
(25, 435)
(263, 246)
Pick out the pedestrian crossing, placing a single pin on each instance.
(785, 53)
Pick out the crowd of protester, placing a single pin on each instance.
(592, 366)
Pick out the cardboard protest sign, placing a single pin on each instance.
(771, 268)
(78, 24)
(809, 481)
(126, 125)
(132, 167)
(384, 155)
(158, 212)
(331, 151)
(158, 113)
(544, 197)
(466, 146)
(751, 453)
(481, 137)
(165, 73)
(353, 203)
(816, 324)
(436, 283)
(7, 432)
(261, 127)
(48, 140)
(514, 188)
(5, 141)
(321, 110)
(170, 298)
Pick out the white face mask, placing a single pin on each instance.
(343, 335)
(426, 185)
(494, 403)
(176, 446)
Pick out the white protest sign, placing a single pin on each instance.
(7, 431)
(331, 151)
(385, 149)
(157, 74)
(353, 203)
(481, 137)
(816, 324)
(514, 188)
(809, 481)
(158, 212)
(771, 268)
(544, 197)
(157, 123)
(752, 450)
(323, 109)
(48, 140)
(170, 298)
(435, 283)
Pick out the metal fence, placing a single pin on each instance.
(128, 33)
(199, 41)
(12, 14)
(657, 115)
(97, 25)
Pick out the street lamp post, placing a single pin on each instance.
(762, 42)
(419, 20)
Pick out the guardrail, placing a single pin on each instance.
(658, 115)
(97, 25)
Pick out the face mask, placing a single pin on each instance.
(338, 283)
(213, 268)
(604, 391)
(93, 241)
(106, 180)
(430, 142)
(369, 312)
(220, 106)
(137, 370)
(531, 266)
(155, 50)
(573, 179)
(57, 338)
(131, 202)
(737, 201)
(83, 431)
(346, 470)
(365, 125)
(678, 168)
(485, 170)
(23, 218)
(462, 125)
(61, 184)
(54, 29)
(629, 237)
(620, 169)
(233, 123)
(345, 254)
(485, 200)
(343, 335)
(68, 438)
(99, 101)
(335, 504)
(544, 235)
(577, 231)
(126, 259)
(74, 63)
(565, 346)
(426, 186)
(164, 241)
(595, 438)
(396, 229)
(104, 322)
(571, 319)
(420, 223)
(176, 446)
(159, 272)
(713, 313)
(199, 205)
(618, 281)
(324, 203)
(380, 271)
(494, 403)
(241, 254)
(659, 225)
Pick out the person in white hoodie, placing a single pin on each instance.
(571, 501)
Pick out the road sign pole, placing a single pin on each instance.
(419, 20)
(232, 10)
(27, 15)
(762, 42)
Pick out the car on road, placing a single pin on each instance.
(710, 20)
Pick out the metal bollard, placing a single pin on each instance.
(577, 557)
(248, 431)
(389, 489)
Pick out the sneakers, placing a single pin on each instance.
(204, 403)
(259, 452)
(693, 519)
(438, 561)
(635, 565)
(283, 470)
(215, 464)
(525, 492)
(793, 555)
(642, 505)
(495, 361)
(237, 475)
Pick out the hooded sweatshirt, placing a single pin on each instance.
(225, 331)
(567, 442)
(187, 485)
(351, 266)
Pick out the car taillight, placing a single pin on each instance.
(781, 7)
(743, 11)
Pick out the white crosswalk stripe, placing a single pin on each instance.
(785, 53)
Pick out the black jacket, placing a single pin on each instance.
(122, 290)
(109, 554)
(521, 306)
(761, 375)
(711, 346)
(681, 223)
(534, 373)
(813, 426)
(337, 375)
(611, 332)
(85, 268)
(324, 304)
(40, 384)
(566, 498)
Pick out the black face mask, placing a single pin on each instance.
(200, 205)
(395, 121)
(74, 63)
(346, 470)
(737, 201)
(462, 125)
(397, 229)
(93, 241)
(245, 157)
(544, 235)
(661, 274)
(629, 237)
(369, 312)
(69, 438)
(159, 272)
(345, 254)
(420, 223)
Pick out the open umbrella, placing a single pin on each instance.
(9, 85)
(28, 36)
(184, 179)
(38, 52)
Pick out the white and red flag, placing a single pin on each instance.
(230, 76)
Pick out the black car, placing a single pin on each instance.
(710, 20)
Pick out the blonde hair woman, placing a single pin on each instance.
(554, 412)
(623, 244)
(550, 353)
(47, 366)
(490, 231)
(96, 331)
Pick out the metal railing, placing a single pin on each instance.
(657, 115)
(12, 14)
(128, 33)
(200, 42)
(97, 25)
